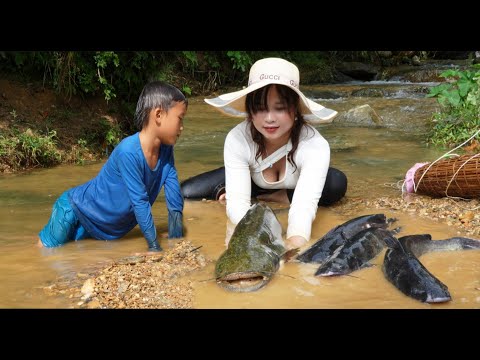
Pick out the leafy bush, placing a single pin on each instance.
(459, 116)
(19, 150)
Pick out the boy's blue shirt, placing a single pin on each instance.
(122, 194)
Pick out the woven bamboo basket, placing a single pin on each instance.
(456, 177)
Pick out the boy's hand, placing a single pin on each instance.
(154, 246)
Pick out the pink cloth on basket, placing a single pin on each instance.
(410, 176)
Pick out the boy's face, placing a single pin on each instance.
(172, 123)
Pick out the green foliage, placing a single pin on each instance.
(113, 132)
(14, 114)
(165, 73)
(105, 137)
(122, 75)
(191, 60)
(102, 60)
(20, 150)
(459, 115)
(78, 151)
(211, 60)
(186, 90)
(65, 73)
(241, 60)
(314, 67)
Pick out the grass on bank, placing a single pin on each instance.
(459, 115)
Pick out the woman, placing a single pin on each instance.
(274, 155)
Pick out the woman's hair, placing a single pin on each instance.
(257, 101)
(156, 94)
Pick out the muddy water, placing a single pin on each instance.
(375, 161)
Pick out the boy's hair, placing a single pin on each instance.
(156, 94)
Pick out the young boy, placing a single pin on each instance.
(122, 194)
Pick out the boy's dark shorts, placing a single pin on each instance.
(63, 225)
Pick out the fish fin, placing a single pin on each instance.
(396, 230)
(367, 265)
(392, 242)
(465, 243)
(391, 220)
(287, 256)
(334, 254)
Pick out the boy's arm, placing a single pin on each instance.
(174, 200)
(153, 245)
(132, 177)
(175, 224)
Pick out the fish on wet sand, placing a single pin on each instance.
(254, 252)
(356, 252)
(403, 269)
(323, 249)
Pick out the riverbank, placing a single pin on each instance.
(34, 119)
(461, 214)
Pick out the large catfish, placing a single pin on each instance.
(326, 245)
(355, 253)
(254, 252)
(403, 269)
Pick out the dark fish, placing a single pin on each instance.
(355, 253)
(422, 244)
(254, 252)
(403, 269)
(326, 246)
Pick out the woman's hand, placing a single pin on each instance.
(294, 242)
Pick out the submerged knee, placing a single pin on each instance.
(335, 187)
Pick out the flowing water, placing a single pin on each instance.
(374, 159)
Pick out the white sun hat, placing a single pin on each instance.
(272, 71)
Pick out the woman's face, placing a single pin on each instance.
(274, 123)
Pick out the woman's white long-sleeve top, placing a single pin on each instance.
(312, 158)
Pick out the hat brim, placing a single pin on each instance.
(233, 104)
